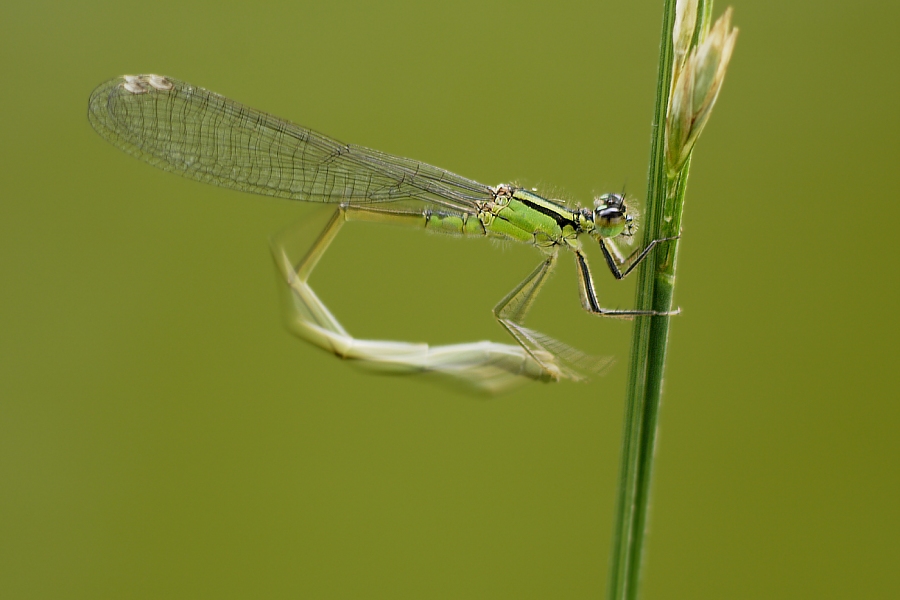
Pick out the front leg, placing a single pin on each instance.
(632, 261)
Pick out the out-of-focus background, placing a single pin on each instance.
(162, 435)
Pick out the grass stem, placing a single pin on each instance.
(656, 279)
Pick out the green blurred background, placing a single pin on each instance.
(162, 435)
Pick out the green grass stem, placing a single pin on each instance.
(656, 279)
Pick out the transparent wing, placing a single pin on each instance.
(199, 134)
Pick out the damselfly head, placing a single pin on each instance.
(610, 215)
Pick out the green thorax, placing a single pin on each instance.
(526, 217)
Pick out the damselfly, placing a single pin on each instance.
(199, 134)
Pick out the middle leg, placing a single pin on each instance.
(589, 295)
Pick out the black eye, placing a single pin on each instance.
(617, 200)
(610, 212)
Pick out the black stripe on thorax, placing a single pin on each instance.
(560, 219)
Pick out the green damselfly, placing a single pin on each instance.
(202, 135)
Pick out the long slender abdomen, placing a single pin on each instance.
(464, 224)
(440, 222)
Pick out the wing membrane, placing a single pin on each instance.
(202, 135)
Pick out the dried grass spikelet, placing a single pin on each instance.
(697, 75)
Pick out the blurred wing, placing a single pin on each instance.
(199, 134)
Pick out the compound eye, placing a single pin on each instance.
(610, 221)
(606, 215)
(611, 200)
